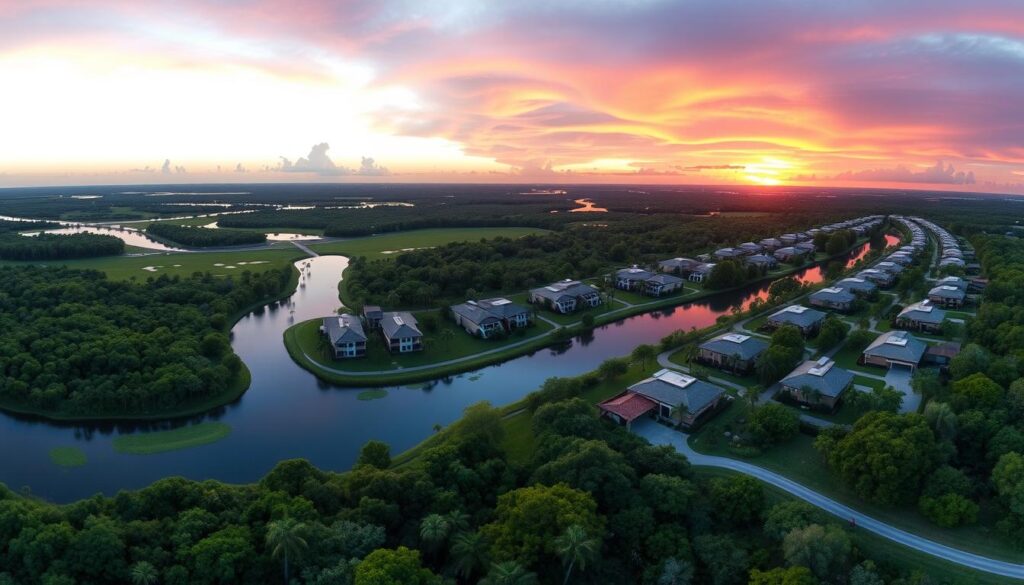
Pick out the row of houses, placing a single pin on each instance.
(765, 254)
(347, 337)
(842, 296)
(644, 281)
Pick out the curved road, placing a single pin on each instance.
(659, 434)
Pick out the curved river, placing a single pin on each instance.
(289, 413)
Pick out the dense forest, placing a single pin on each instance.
(14, 246)
(199, 237)
(595, 504)
(75, 343)
(455, 271)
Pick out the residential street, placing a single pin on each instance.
(658, 434)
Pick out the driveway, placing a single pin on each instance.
(899, 378)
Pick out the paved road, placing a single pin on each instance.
(658, 434)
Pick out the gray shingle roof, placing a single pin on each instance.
(947, 291)
(833, 295)
(822, 375)
(857, 284)
(923, 312)
(897, 345)
(475, 313)
(745, 346)
(665, 279)
(797, 315)
(400, 324)
(634, 273)
(675, 389)
(564, 289)
(344, 328)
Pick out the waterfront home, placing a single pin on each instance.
(489, 317)
(770, 244)
(565, 296)
(668, 396)
(728, 254)
(921, 316)
(834, 297)
(806, 319)
(749, 248)
(948, 295)
(401, 332)
(890, 267)
(879, 277)
(805, 247)
(632, 278)
(701, 272)
(345, 335)
(731, 351)
(762, 261)
(787, 254)
(678, 266)
(662, 284)
(372, 314)
(858, 286)
(817, 383)
(895, 348)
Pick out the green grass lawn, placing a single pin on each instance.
(435, 350)
(183, 263)
(68, 456)
(173, 440)
(960, 315)
(386, 245)
(847, 358)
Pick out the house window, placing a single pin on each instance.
(405, 344)
(665, 411)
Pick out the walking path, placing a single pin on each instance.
(661, 435)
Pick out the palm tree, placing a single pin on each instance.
(675, 572)
(508, 573)
(434, 530)
(576, 549)
(445, 336)
(469, 553)
(144, 573)
(284, 537)
(458, 521)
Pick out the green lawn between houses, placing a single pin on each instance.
(305, 339)
(172, 440)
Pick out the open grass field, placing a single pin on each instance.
(172, 440)
(68, 456)
(386, 245)
(183, 263)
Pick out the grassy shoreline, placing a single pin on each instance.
(572, 328)
(171, 440)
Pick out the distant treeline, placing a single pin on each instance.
(363, 222)
(75, 343)
(199, 237)
(455, 271)
(14, 246)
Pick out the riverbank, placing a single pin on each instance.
(302, 347)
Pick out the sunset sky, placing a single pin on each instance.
(922, 94)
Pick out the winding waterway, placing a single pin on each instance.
(289, 413)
